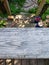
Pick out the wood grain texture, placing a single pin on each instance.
(24, 43)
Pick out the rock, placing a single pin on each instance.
(18, 16)
(10, 17)
(47, 16)
(32, 15)
(26, 22)
(47, 20)
(40, 23)
(23, 26)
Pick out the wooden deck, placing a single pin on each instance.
(24, 62)
(24, 46)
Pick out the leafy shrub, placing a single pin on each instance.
(19, 2)
(45, 14)
(33, 10)
(43, 17)
(47, 1)
(3, 15)
(47, 11)
(14, 10)
(3, 23)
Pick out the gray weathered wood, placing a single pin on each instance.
(24, 43)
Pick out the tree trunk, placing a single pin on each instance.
(4, 6)
(40, 7)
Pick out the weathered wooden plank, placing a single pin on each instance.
(1, 62)
(18, 62)
(40, 62)
(8, 62)
(12, 61)
(46, 61)
(33, 61)
(23, 62)
(24, 43)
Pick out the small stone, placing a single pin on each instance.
(20, 25)
(10, 17)
(32, 15)
(47, 16)
(47, 20)
(18, 16)
(40, 23)
(23, 26)
(26, 22)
